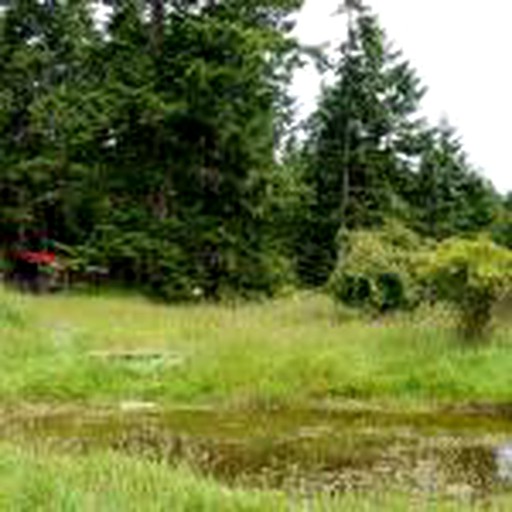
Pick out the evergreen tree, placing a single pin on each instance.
(356, 141)
(150, 145)
(449, 197)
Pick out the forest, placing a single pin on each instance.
(162, 146)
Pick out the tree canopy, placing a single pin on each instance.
(160, 146)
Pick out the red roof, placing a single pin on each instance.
(39, 257)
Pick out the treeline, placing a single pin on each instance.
(161, 148)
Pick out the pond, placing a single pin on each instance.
(465, 454)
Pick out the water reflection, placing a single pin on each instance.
(307, 451)
(503, 456)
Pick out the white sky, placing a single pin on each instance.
(461, 50)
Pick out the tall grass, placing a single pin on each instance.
(33, 480)
(111, 482)
(288, 351)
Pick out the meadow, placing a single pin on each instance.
(293, 351)
(114, 351)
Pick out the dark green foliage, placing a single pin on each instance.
(502, 227)
(368, 157)
(502, 230)
(448, 196)
(356, 142)
(149, 150)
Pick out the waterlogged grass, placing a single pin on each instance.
(34, 479)
(289, 351)
(109, 482)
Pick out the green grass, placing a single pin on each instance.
(34, 479)
(292, 351)
(289, 351)
(31, 480)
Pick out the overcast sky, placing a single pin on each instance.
(461, 50)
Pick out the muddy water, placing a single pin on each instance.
(318, 450)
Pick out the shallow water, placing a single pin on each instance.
(460, 454)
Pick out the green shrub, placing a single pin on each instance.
(473, 275)
(376, 269)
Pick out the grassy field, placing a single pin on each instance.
(294, 351)
(291, 351)
(36, 480)
(108, 482)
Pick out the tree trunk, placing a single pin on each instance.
(158, 20)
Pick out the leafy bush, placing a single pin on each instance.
(473, 275)
(376, 269)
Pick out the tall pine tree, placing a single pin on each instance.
(356, 141)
